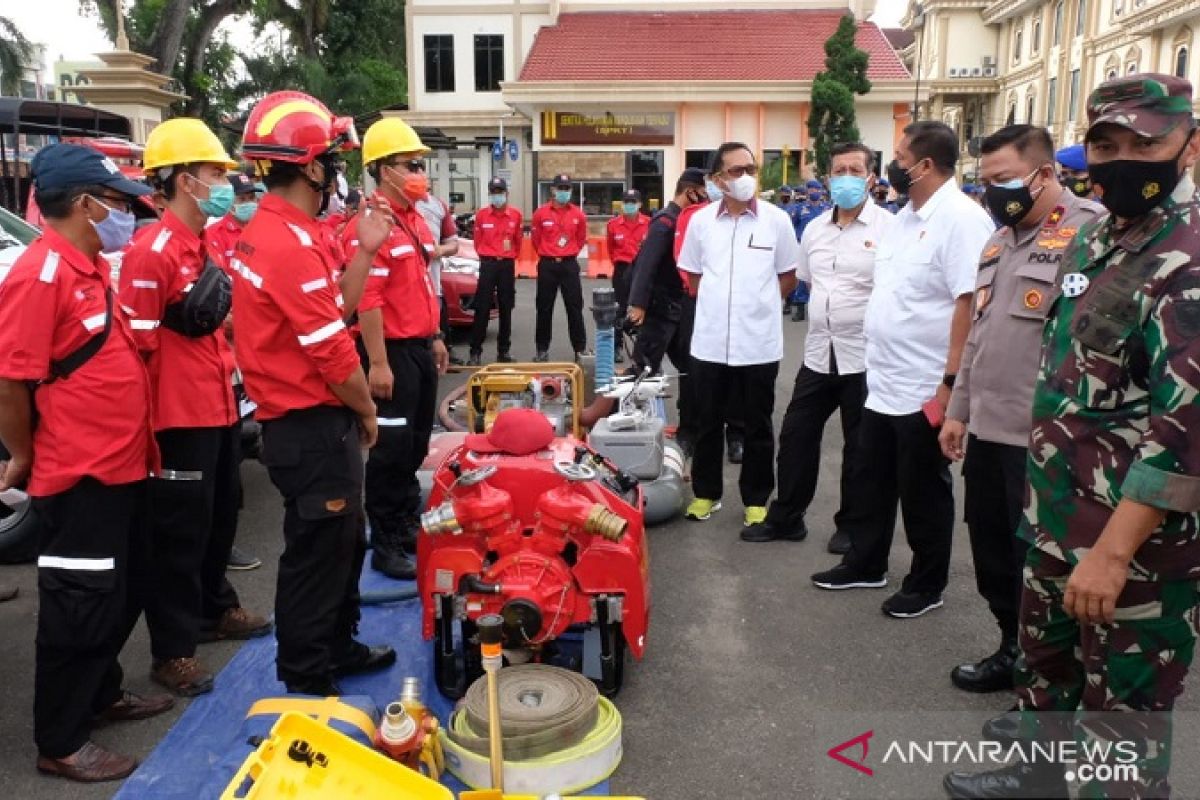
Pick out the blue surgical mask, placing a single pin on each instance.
(220, 200)
(497, 200)
(242, 212)
(115, 230)
(562, 196)
(631, 208)
(714, 192)
(848, 191)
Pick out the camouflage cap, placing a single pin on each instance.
(1148, 104)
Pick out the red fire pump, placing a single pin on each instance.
(554, 543)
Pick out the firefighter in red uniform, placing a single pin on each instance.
(559, 233)
(497, 240)
(625, 234)
(300, 366)
(178, 300)
(90, 457)
(401, 344)
(223, 234)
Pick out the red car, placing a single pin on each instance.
(460, 278)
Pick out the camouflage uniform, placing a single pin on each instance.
(1115, 400)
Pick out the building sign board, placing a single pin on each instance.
(608, 128)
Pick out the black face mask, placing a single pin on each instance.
(1132, 189)
(1008, 206)
(898, 177)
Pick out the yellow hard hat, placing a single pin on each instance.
(184, 140)
(389, 136)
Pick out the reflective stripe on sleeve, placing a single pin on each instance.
(312, 286)
(49, 267)
(161, 240)
(77, 564)
(381, 272)
(143, 284)
(391, 422)
(322, 333)
(400, 250)
(301, 234)
(341, 301)
(143, 324)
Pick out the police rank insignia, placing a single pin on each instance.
(981, 300)
(1054, 217)
(991, 252)
(1074, 284)
(1033, 299)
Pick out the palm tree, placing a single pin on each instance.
(16, 54)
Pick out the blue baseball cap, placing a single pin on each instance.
(813, 184)
(785, 190)
(883, 182)
(63, 166)
(1072, 158)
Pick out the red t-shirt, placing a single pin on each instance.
(192, 377)
(399, 281)
(289, 336)
(96, 421)
(559, 231)
(625, 236)
(498, 232)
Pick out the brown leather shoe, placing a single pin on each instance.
(133, 706)
(182, 676)
(237, 623)
(89, 764)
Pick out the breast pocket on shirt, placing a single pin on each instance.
(1035, 288)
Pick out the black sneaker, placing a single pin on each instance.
(906, 605)
(505, 358)
(542, 356)
(241, 561)
(768, 531)
(839, 543)
(845, 577)
(474, 358)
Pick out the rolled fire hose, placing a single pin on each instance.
(560, 736)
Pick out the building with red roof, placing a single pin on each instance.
(620, 97)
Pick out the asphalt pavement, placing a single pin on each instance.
(751, 674)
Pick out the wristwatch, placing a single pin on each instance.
(948, 381)
(439, 336)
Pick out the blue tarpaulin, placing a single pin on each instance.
(183, 765)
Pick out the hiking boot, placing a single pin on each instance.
(184, 677)
(236, 623)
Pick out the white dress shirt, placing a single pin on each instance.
(839, 265)
(739, 310)
(927, 261)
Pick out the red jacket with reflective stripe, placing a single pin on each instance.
(221, 237)
(289, 337)
(192, 377)
(399, 281)
(559, 231)
(496, 228)
(625, 237)
(96, 421)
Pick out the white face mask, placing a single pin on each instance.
(742, 189)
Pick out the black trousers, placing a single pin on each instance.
(902, 462)
(622, 280)
(496, 276)
(393, 494)
(667, 330)
(554, 275)
(194, 513)
(751, 389)
(815, 396)
(315, 461)
(994, 475)
(94, 575)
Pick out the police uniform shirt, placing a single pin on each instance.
(739, 259)
(839, 264)
(925, 263)
(1014, 289)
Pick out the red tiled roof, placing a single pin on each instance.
(709, 45)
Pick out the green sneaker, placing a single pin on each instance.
(755, 515)
(701, 509)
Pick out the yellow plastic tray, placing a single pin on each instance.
(302, 759)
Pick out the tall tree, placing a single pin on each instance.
(831, 118)
(16, 55)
